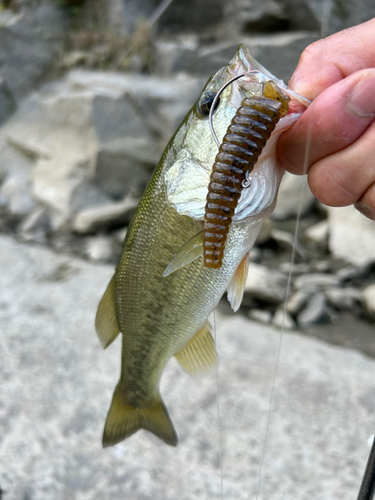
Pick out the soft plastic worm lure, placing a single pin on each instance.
(238, 153)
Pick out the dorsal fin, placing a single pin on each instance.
(237, 284)
(190, 251)
(106, 324)
(199, 354)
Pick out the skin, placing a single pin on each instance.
(338, 73)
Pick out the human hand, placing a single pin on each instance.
(334, 140)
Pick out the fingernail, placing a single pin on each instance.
(361, 100)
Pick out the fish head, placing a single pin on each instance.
(188, 176)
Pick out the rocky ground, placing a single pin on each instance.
(57, 384)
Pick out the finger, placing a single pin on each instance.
(343, 178)
(366, 204)
(332, 59)
(337, 117)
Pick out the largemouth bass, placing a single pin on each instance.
(161, 301)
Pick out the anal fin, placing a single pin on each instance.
(190, 251)
(106, 324)
(237, 284)
(199, 355)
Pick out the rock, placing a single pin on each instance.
(315, 312)
(351, 236)
(120, 235)
(260, 315)
(99, 248)
(347, 273)
(187, 55)
(7, 102)
(297, 269)
(343, 298)
(30, 40)
(115, 172)
(16, 193)
(318, 235)
(265, 232)
(320, 280)
(92, 219)
(57, 384)
(35, 227)
(299, 299)
(321, 266)
(368, 296)
(287, 241)
(256, 16)
(294, 195)
(265, 284)
(114, 126)
(283, 320)
(197, 17)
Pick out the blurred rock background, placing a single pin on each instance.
(91, 92)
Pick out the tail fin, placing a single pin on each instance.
(124, 420)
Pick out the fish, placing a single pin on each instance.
(161, 294)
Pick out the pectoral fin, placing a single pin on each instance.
(124, 420)
(106, 324)
(199, 355)
(237, 284)
(187, 253)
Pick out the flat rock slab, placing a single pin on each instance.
(57, 382)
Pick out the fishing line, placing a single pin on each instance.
(218, 408)
(324, 27)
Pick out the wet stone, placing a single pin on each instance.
(260, 315)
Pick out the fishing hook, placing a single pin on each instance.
(213, 105)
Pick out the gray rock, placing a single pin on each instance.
(7, 102)
(92, 219)
(315, 312)
(347, 273)
(343, 298)
(99, 248)
(299, 299)
(368, 296)
(265, 284)
(320, 280)
(57, 383)
(294, 195)
(29, 41)
(287, 241)
(115, 129)
(196, 16)
(318, 235)
(16, 193)
(283, 320)
(351, 236)
(297, 269)
(187, 55)
(260, 315)
(119, 236)
(255, 16)
(35, 227)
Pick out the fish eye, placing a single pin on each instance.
(205, 102)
